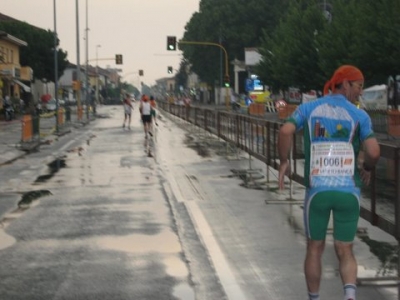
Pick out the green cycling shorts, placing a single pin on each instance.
(345, 210)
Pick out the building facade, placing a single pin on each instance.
(14, 79)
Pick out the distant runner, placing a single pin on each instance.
(145, 112)
(127, 111)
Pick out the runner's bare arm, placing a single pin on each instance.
(285, 140)
(284, 144)
(371, 153)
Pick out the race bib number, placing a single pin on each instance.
(332, 159)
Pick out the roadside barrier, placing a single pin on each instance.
(29, 132)
(240, 131)
(60, 114)
(34, 126)
(27, 128)
(393, 117)
(270, 107)
(257, 109)
(79, 111)
(285, 111)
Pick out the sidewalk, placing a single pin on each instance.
(11, 145)
(10, 137)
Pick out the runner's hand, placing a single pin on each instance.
(284, 169)
(365, 176)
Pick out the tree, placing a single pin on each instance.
(337, 41)
(300, 47)
(377, 41)
(39, 54)
(291, 53)
(129, 88)
(235, 24)
(182, 75)
(362, 33)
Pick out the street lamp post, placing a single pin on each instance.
(78, 63)
(97, 73)
(55, 65)
(87, 95)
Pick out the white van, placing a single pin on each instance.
(374, 98)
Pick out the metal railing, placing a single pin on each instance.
(257, 136)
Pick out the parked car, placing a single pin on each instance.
(51, 104)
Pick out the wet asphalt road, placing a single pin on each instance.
(107, 229)
(120, 224)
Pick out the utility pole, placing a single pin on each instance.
(55, 64)
(87, 96)
(97, 73)
(78, 65)
(220, 68)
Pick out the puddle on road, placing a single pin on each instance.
(26, 202)
(176, 267)
(6, 240)
(201, 147)
(165, 242)
(183, 291)
(29, 197)
(54, 167)
(78, 150)
(386, 253)
(90, 139)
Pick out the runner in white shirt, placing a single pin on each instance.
(145, 112)
(127, 111)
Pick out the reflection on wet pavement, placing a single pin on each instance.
(139, 244)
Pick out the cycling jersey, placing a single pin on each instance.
(333, 130)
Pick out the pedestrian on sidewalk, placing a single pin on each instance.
(127, 111)
(335, 131)
(145, 113)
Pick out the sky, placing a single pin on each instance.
(137, 29)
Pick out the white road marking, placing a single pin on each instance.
(227, 278)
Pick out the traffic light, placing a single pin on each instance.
(170, 70)
(171, 43)
(118, 59)
(140, 72)
(226, 81)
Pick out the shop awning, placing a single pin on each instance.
(24, 86)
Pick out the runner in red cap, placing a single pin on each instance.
(335, 131)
